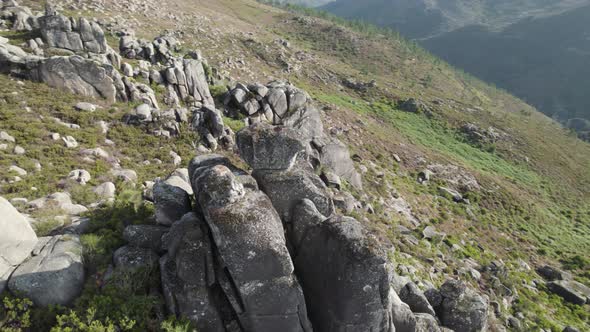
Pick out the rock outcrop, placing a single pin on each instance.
(72, 34)
(187, 77)
(74, 74)
(249, 282)
(361, 301)
(22, 18)
(282, 104)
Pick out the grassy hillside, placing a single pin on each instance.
(533, 206)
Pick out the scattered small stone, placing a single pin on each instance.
(17, 170)
(4, 136)
(19, 150)
(86, 107)
(79, 175)
(70, 142)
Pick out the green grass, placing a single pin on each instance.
(436, 136)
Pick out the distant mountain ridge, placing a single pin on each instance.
(425, 18)
(535, 49)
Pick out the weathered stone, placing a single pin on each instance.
(358, 302)
(412, 295)
(401, 314)
(17, 240)
(145, 236)
(266, 147)
(278, 101)
(450, 193)
(188, 274)
(287, 188)
(426, 323)
(77, 75)
(86, 107)
(171, 203)
(126, 175)
(105, 191)
(259, 280)
(80, 176)
(54, 275)
(4, 136)
(307, 121)
(571, 291)
(550, 273)
(131, 258)
(462, 309)
(75, 35)
(336, 157)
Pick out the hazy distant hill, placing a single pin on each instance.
(424, 18)
(537, 49)
(543, 60)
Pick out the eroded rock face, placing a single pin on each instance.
(76, 75)
(259, 280)
(285, 106)
(145, 236)
(571, 291)
(22, 18)
(75, 35)
(54, 274)
(17, 240)
(171, 202)
(287, 188)
(188, 78)
(411, 295)
(360, 301)
(188, 274)
(462, 309)
(335, 156)
(265, 147)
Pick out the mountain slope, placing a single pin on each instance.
(541, 60)
(537, 50)
(524, 182)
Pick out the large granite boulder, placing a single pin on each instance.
(77, 75)
(188, 274)
(285, 106)
(72, 34)
(15, 61)
(54, 274)
(462, 309)
(135, 258)
(188, 78)
(345, 279)
(414, 297)
(17, 240)
(171, 203)
(287, 188)
(336, 157)
(275, 103)
(266, 147)
(402, 316)
(259, 279)
(145, 236)
(571, 291)
(426, 323)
